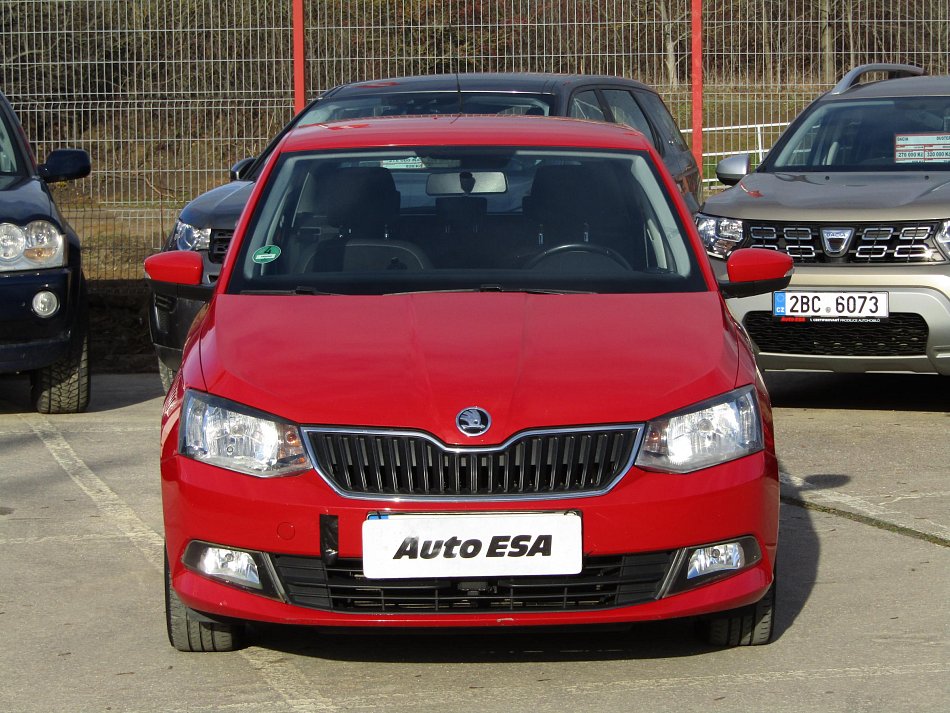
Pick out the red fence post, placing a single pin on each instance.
(696, 72)
(300, 85)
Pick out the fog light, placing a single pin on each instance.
(234, 566)
(45, 304)
(723, 557)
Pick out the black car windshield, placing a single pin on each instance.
(412, 103)
(492, 219)
(893, 134)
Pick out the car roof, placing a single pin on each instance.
(923, 86)
(463, 130)
(527, 82)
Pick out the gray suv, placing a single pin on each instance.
(857, 191)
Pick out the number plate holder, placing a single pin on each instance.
(397, 545)
(837, 306)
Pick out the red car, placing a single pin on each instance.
(462, 372)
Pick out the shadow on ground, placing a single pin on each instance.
(881, 392)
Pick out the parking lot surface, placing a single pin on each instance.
(863, 613)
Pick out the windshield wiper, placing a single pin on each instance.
(532, 290)
(299, 290)
(496, 288)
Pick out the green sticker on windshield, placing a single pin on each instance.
(266, 254)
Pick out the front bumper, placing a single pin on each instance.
(919, 292)
(646, 518)
(29, 342)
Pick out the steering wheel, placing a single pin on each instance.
(579, 248)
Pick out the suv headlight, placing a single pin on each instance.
(720, 235)
(943, 238)
(39, 244)
(188, 237)
(713, 432)
(226, 434)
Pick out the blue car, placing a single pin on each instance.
(43, 309)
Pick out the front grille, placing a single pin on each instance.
(416, 464)
(604, 582)
(872, 243)
(899, 335)
(218, 245)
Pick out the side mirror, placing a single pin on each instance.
(65, 165)
(755, 271)
(180, 267)
(239, 170)
(733, 169)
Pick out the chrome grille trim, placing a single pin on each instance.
(873, 243)
(407, 465)
(796, 233)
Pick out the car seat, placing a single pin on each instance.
(362, 203)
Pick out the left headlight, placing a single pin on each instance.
(707, 434)
(188, 237)
(943, 238)
(36, 245)
(228, 435)
(720, 235)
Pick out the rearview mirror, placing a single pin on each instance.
(239, 170)
(180, 267)
(733, 169)
(65, 165)
(755, 271)
(460, 183)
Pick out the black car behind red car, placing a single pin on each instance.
(207, 223)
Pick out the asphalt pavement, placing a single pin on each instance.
(863, 613)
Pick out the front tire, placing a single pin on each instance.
(752, 625)
(64, 385)
(186, 632)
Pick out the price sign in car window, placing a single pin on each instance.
(922, 148)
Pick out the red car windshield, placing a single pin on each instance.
(435, 219)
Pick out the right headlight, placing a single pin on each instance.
(188, 237)
(230, 435)
(943, 238)
(715, 431)
(39, 244)
(720, 235)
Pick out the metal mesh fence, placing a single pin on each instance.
(167, 94)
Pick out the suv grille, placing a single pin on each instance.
(900, 335)
(603, 582)
(218, 245)
(871, 243)
(534, 463)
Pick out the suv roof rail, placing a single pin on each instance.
(894, 71)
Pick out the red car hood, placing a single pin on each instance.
(415, 361)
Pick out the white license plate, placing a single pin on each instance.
(481, 545)
(830, 305)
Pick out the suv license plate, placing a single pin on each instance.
(482, 545)
(831, 306)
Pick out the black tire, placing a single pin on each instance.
(752, 625)
(186, 632)
(166, 374)
(64, 386)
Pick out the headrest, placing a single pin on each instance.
(572, 193)
(361, 199)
